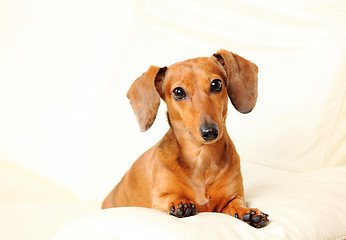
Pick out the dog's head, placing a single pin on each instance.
(195, 92)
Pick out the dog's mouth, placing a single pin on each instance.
(212, 141)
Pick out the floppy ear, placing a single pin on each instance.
(241, 80)
(144, 96)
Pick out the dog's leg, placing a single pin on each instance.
(252, 216)
(170, 198)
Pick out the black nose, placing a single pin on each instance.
(209, 131)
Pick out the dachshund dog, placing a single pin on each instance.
(195, 166)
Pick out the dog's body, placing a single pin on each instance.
(195, 166)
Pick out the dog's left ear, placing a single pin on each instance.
(241, 80)
(144, 95)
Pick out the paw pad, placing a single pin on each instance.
(255, 220)
(182, 209)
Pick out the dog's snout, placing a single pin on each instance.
(209, 131)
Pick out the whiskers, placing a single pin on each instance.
(189, 131)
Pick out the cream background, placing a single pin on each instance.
(68, 134)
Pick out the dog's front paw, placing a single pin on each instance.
(252, 216)
(182, 208)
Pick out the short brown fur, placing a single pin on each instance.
(184, 168)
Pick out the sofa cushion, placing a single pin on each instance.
(33, 207)
(301, 206)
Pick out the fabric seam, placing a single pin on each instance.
(332, 129)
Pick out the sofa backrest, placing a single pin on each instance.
(299, 47)
(63, 83)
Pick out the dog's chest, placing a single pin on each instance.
(200, 181)
(199, 192)
(205, 170)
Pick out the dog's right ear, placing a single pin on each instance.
(144, 95)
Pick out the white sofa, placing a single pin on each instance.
(68, 133)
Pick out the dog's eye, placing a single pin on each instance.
(179, 93)
(216, 86)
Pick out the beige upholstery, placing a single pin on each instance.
(68, 133)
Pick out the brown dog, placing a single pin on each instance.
(195, 166)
